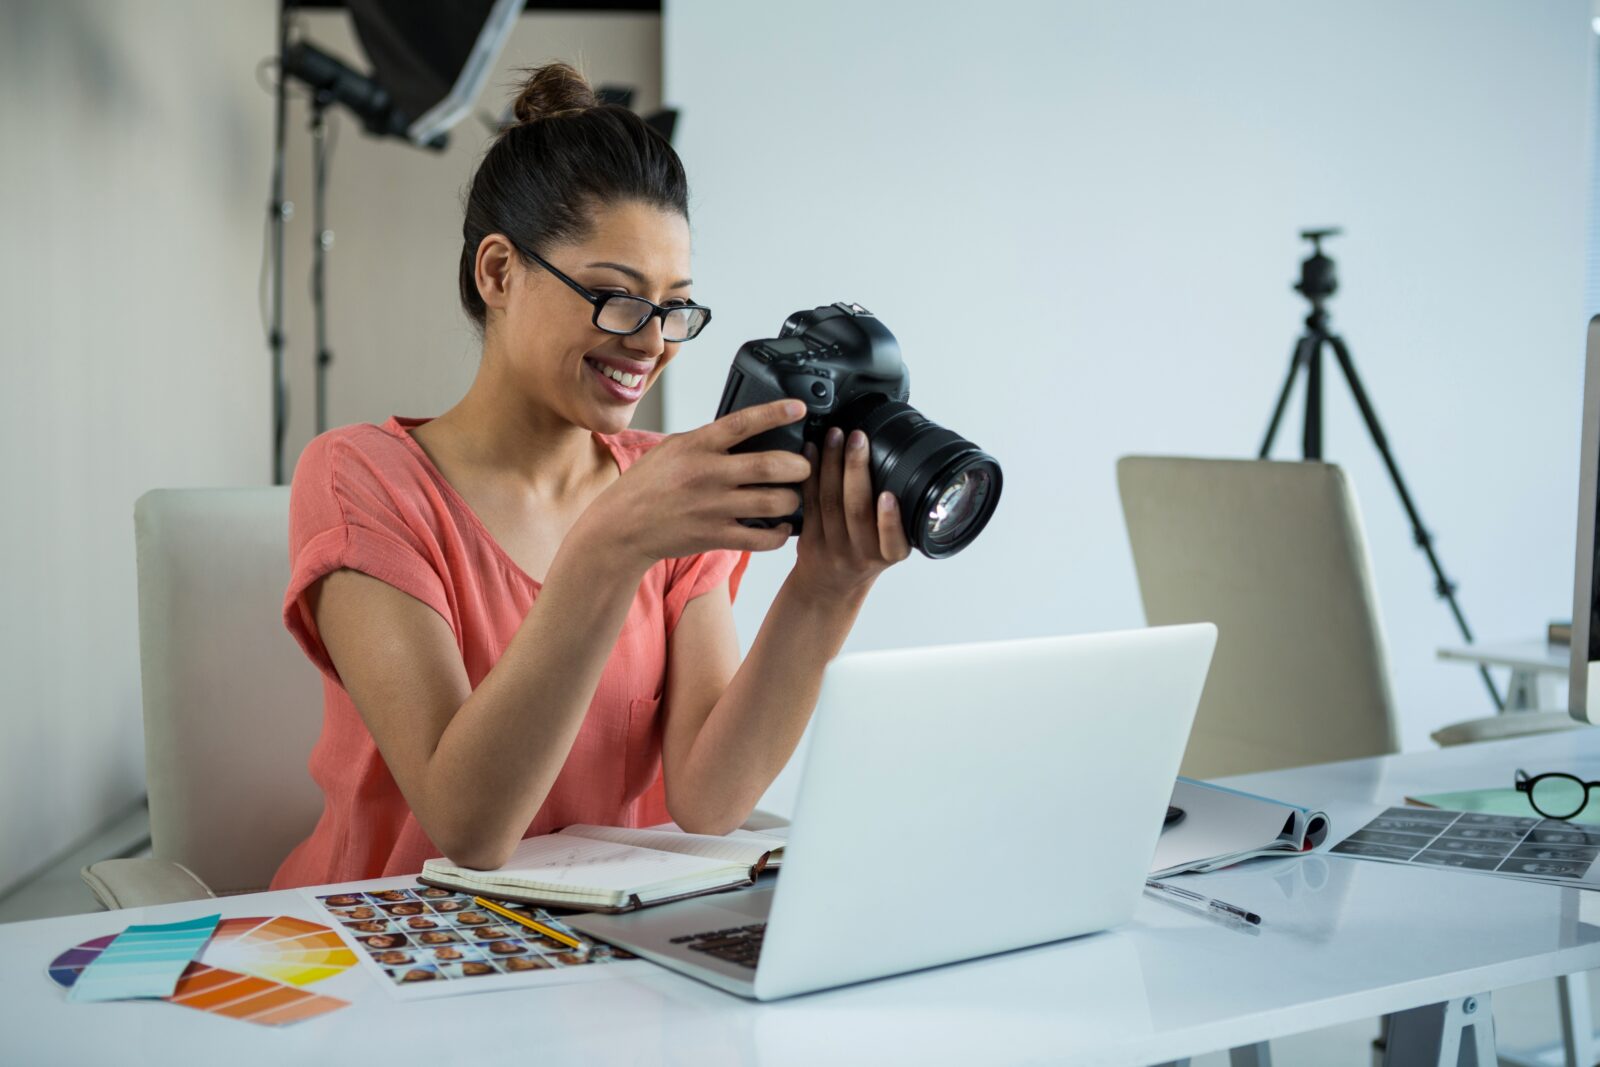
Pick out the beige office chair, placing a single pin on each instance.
(231, 704)
(1275, 555)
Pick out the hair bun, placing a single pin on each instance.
(551, 90)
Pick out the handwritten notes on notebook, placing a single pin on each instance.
(560, 859)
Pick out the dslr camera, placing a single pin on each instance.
(845, 366)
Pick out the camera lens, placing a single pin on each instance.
(947, 486)
(959, 503)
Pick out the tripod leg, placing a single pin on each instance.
(1311, 442)
(1295, 359)
(1445, 588)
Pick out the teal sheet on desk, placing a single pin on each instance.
(1496, 802)
(144, 961)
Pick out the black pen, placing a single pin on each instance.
(1191, 899)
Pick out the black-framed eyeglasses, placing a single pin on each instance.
(1555, 796)
(625, 315)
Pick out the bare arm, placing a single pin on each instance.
(475, 765)
(399, 661)
(731, 727)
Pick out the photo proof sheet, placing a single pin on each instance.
(1540, 850)
(426, 942)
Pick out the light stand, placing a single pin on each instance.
(431, 61)
(278, 211)
(331, 82)
(1318, 281)
(321, 241)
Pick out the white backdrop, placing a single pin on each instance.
(1080, 220)
(132, 193)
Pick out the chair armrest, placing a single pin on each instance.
(139, 883)
(763, 820)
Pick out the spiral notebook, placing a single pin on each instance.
(614, 869)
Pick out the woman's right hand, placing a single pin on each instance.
(687, 494)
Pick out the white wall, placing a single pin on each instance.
(132, 189)
(1080, 220)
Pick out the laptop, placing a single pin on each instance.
(955, 802)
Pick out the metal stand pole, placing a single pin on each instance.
(1296, 358)
(1579, 1045)
(321, 241)
(1577, 1028)
(278, 211)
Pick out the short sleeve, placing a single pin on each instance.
(695, 576)
(345, 514)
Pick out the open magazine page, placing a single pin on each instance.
(1222, 826)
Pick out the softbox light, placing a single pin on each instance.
(433, 57)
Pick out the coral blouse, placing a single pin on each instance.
(368, 498)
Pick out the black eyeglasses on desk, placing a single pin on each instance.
(1555, 796)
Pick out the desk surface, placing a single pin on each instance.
(1342, 939)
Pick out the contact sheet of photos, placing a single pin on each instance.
(427, 942)
(1541, 850)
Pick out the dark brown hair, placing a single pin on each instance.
(566, 155)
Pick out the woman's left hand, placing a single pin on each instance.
(848, 538)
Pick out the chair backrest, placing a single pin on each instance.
(1274, 554)
(231, 705)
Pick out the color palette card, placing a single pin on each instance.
(144, 961)
(249, 998)
(250, 969)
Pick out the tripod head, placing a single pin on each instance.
(1317, 278)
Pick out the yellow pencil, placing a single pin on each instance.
(554, 935)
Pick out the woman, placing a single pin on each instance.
(522, 608)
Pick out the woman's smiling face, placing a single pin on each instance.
(544, 330)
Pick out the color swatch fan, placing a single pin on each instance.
(283, 949)
(251, 969)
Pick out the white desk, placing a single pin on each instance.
(1533, 664)
(1342, 939)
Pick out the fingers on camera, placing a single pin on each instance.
(738, 425)
(830, 488)
(808, 488)
(859, 512)
(891, 533)
(758, 540)
(774, 503)
(770, 468)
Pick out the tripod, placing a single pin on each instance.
(1318, 281)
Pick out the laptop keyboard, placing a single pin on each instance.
(736, 944)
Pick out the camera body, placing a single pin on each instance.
(836, 360)
(845, 366)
